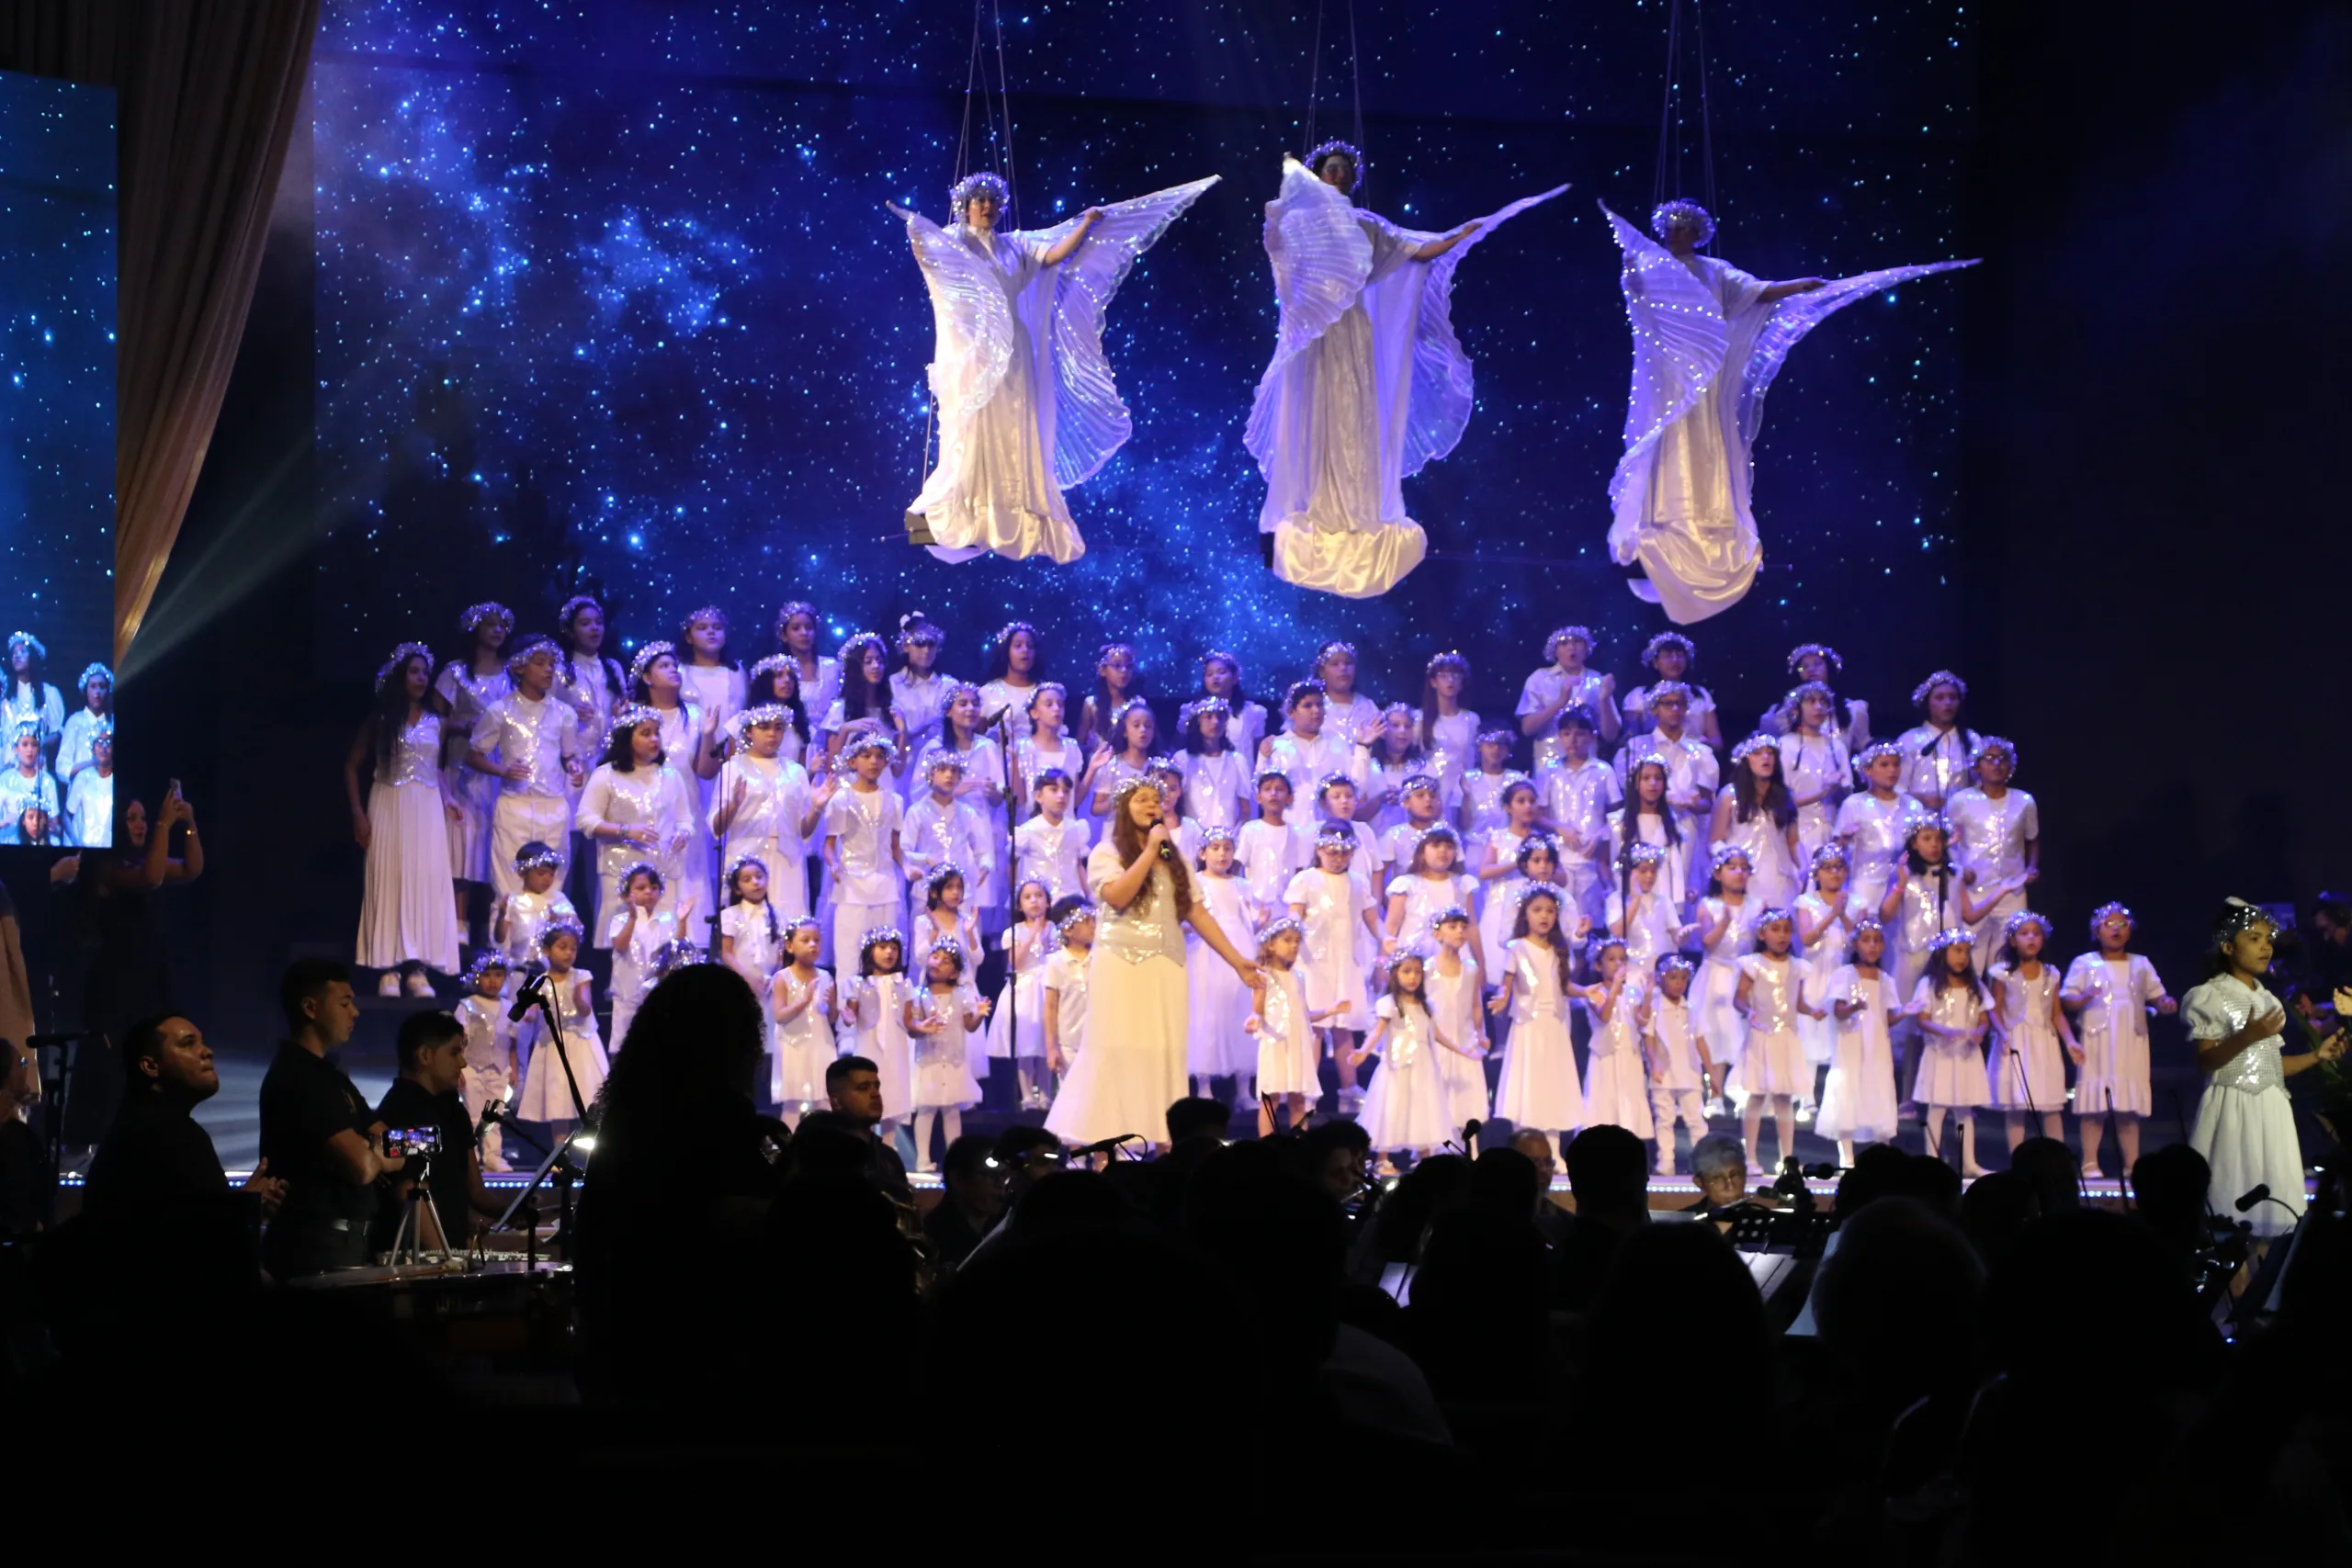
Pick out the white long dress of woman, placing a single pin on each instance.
(405, 914)
(1706, 346)
(646, 797)
(1027, 407)
(2245, 1123)
(1133, 1067)
(1368, 384)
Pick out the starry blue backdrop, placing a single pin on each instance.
(57, 333)
(607, 298)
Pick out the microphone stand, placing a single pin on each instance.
(1003, 727)
(2082, 1187)
(558, 1163)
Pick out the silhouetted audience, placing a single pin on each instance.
(1608, 1175)
(973, 1200)
(319, 1135)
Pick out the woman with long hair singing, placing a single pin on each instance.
(1131, 1065)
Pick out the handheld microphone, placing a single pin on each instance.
(1470, 1131)
(2261, 1194)
(527, 998)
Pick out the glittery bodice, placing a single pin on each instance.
(1537, 993)
(1147, 927)
(2220, 1008)
(416, 754)
(1773, 992)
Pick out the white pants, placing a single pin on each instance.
(852, 921)
(482, 1085)
(1666, 1102)
(516, 820)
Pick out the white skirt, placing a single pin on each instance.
(2248, 1137)
(1132, 1069)
(2114, 1074)
(1617, 1092)
(1405, 1108)
(546, 1096)
(406, 914)
(2033, 1079)
(1540, 1087)
(1289, 1066)
(1857, 1099)
(1465, 1079)
(1952, 1072)
(1336, 979)
(1774, 1063)
(1217, 1044)
(797, 1067)
(946, 1082)
(1021, 1007)
(1719, 1022)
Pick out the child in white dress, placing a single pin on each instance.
(2109, 991)
(2245, 1125)
(1456, 987)
(863, 855)
(1332, 906)
(1217, 775)
(1648, 928)
(937, 1018)
(517, 918)
(1873, 823)
(1562, 683)
(1422, 802)
(1576, 794)
(1814, 763)
(1540, 1085)
(1679, 1066)
(482, 1011)
(942, 829)
(1826, 917)
(1283, 1024)
(1858, 1101)
(1478, 793)
(1448, 730)
(763, 805)
(1218, 1043)
(873, 1006)
(1771, 995)
(1393, 758)
(1649, 818)
(1950, 1007)
(547, 1093)
(1407, 1109)
(1671, 654)
(1052, 846)
(1017, 1026)
(1064, 990)
(1995, 838)
(1616, 1080)
(750, 937)
(1221, 678)
(1431, 883)
(801, 999)
(2032, 1039)
(1726, 921)
(1271, 849)
(639, 928)
(982, 791)
(1753, 810)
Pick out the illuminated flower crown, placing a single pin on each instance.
(1601, 943)
(937, 756)
(1940, 678)
(1007, 632)
(736, 865)
(627, 717)
(879, 936)
(100, 672)
(529, 649)
(854, 649)
(471, 621)
(1954, 936)
(1450, 659)
(642, 868)
(573, 605)
(751, 718)
(488, 959)
(869, 741)
(2023, 917)
(983, 183)
(1448, 915)
(1988, 744)
(562, 925)
(26, 640)
(1727, 853)
(1300, 691)
(1665, 640)
(541, 859)
(1872, 752)
(1414, 781)
(673, 957)
(1133, 705)
(1433, 831)
(707, 613)
(401, 656)
(1662, 216)
(1579, 634)
(915, 627)
(1275, 927)
(1642, 853)
(1674, 964)
(941, 875)
(950, 946)
(1924, 821)
(1498, 737)
(1797, 694)
(1831, 853)
(796, 607)
(1331, 650)
(646, 657)
(1776, 914)
(1217, 836)
(1072, 916)
(793, 927)
(1041, 688)
(1345, 150)
(1805, 650)
(1759, 741)
(775, 664)
(1201, 708)
(2237, 915)
(1164, 767)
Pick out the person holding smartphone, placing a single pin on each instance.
(429, 1097)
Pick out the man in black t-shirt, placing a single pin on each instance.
(158, 1168)
(429, 1093)
(317, 1134)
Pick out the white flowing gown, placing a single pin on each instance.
(1027, 406)
(1367, 385)
(1706, 347)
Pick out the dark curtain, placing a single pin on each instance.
(208, 96)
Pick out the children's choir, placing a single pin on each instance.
(1818, 924)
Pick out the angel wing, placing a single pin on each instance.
(1089, 422)
(973, 320)
(1443, 391)
(1799, 314)
(1321, 259)
(1679, 319)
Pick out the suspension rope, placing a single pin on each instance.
(1314, 82)
(1670, 143)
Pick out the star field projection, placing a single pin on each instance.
(57, 345)
(606, 294)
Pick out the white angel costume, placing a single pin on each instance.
(1027, 407)
(1368, 384)
(1706, 346)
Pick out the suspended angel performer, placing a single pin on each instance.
(1027, 407)
(1708, 339)
(1368, 384)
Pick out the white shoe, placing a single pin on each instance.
(389, 985)
(419, 985)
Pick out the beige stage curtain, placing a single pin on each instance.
(208, 94)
